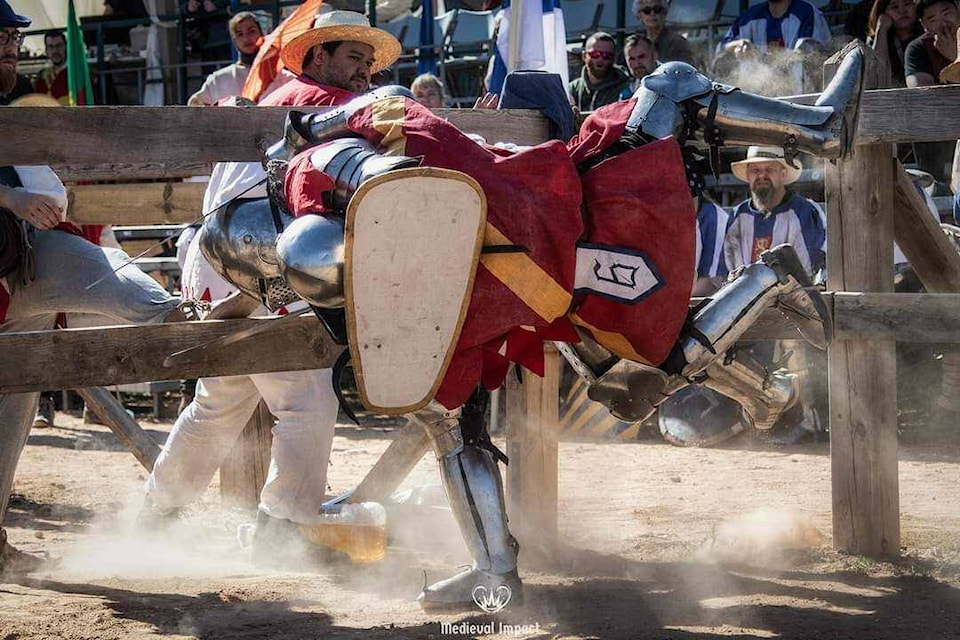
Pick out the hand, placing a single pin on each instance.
(208, 6)
(487, 101)
(41, 211)
(884, 22)
(193, 5)
(740, 48)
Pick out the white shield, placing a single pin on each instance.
(413, 241)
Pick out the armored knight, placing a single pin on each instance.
(590, 244)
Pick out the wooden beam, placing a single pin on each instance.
(862, 375)
(136, 203)
(161, 135)
(244, 471)
(409, 445)
(904, 317)
(109, 409)
(118, 355)
(172, 170)
(532, 424)
(932, 256)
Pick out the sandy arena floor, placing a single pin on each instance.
(659, 542)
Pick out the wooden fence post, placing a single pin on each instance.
(244, 470)
(863, 388)
(532, 475)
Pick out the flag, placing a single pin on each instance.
(78, 73)
(543, 42)
(267, 65)
(427, 59)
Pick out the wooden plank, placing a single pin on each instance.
(136, 203)
(932, 256)
(244, 471)
(109, 409)
(172, 170)
(904, 317)
(162, 135)
(409, 445)
(533, 473)
(117, 355)
(862, 374)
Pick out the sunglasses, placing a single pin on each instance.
(596, 55)
(11, 37)
(653, 10)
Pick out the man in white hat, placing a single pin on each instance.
(773, 215)
(333, 62)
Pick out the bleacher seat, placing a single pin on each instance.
(581, 18)
(689, 14)
(608, 18)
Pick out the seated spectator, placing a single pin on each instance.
(893, 25)
(247, 36)
(12, 84)
(933, 51)
(711, 264)
(773, 214)
(428, 90)
(670, 45)
(601, 81)
(775, 24)
(640, 55)
(52, 79)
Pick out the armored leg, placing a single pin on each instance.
(728, 115)
(475, 492)
(631, 390)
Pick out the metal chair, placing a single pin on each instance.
(581, 18)
(468, 47)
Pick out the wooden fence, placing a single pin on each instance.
(863, 194)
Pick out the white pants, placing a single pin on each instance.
(306, 410)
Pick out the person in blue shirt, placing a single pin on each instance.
(711, 264)
(775, 24)
(773, 214)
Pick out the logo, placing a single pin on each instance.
(491, 600)
(618, 273)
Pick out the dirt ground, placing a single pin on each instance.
(658, 542)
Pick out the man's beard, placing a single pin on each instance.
(8, 79)
(763, 195)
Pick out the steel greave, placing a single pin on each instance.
(763, 396)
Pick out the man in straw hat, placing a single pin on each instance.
(773, 214)
(333, 62)
(45, 268)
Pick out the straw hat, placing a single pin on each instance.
(338, 26)
(764, 154)
(36, 100)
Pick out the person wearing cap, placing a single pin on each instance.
(247, 36)
(333, 62)
(55, 271)
(773, 214)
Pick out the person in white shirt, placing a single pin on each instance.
(247, 37)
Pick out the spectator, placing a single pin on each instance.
(428, 90)
(247, 36)
(601, 82)
(12, 84)
(670, 45)
(933, 51)
(773, 214)
(775, 24)
(122, 10)
(52, 79)
(711, 264)
(640, 55)
(893, 24)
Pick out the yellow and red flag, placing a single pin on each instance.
(267, 65)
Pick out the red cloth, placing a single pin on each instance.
(638, 202)
(303, 91)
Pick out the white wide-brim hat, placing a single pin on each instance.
(764, 154)
(342, 26)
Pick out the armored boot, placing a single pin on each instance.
(676, 99)
(632, 391)
(474, 489)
